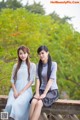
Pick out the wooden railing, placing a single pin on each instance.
(60, 110)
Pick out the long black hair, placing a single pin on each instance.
(40, 64)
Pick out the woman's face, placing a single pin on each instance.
(43, 55)
(23, 56)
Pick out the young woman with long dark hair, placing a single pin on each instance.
(21, 92)
(46, 86)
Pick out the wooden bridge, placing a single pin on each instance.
(60, 110)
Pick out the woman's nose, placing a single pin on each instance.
(23, 55)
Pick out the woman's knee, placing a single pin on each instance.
(34, 101)
(40, 103)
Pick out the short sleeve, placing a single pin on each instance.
(13, 71)
(32, 72)
(53, 71)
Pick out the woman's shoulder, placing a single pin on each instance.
(32, 64)
(37, 65)
(15, 65)
(54, 64)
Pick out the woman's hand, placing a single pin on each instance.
(42, 96)
(37, 96)
(20, 93)
(16, 94)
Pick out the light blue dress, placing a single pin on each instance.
(19, 108)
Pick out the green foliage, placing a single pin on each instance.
(36, 8)
(14, 4)
(2, 4)
(18, 27)
(56, 17)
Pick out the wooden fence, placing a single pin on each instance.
(60, 110)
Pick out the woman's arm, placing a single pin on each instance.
(48, 86)
(12, 81)
(32, 78)
(37, 89)
(52, 77)
(13, 87)
(26, 87)
(15, 91)
(37, 86)
(29, 85)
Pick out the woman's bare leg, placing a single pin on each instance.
(32, 108)
(37, 110)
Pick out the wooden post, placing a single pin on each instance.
(74, 117)
(43, 116)
(55, 117)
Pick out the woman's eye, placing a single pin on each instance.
(20, 53)
(42, 53)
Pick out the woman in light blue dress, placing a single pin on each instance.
(23, 76)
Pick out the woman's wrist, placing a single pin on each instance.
(20, 92)
(15, 91)
(45, 93)
(37, 93)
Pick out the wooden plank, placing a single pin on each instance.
(61, 106)
(59, 101)
(64, 101)
(3, 97)
(63, 109)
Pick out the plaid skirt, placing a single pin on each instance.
(50, 98)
